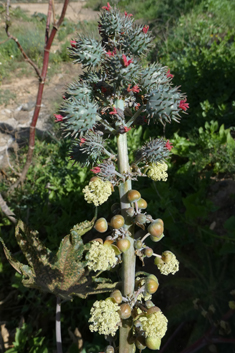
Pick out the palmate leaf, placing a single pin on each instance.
(64, 274)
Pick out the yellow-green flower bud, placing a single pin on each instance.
(105, 317)
(97, 191)
(100, 257)
(157, 171)
(169, 263)
(231, 304)
(154, 325)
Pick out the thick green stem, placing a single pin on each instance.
(128, 258)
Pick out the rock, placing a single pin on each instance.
(14, 126)
(28, 106)
(5, 141)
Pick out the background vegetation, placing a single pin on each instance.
(195, 39)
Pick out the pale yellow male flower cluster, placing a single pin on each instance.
(145, 296)
(154, 325)
(97, 191)
(171, 266)
(100, 257)
(105, 317)
(157, 171)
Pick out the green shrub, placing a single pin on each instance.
(200, 51)
(212, 149)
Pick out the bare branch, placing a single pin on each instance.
(39, 96)
(48, 21)
(53, 10)
(7, 25)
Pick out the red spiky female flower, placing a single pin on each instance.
(128, 15)
(58, 117)
(107, 8)
(168, 74)
(169, 145)
(114, 111)
(125, 61)
(183, 105)
(96, 170)
(145, 29)
(73, 43)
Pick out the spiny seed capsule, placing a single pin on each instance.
(151, 285)
(117, 221)
(125, 311)
(140, 342)
(142, 204)
(123, 244)
(148, 252)
(156, 229)
(117, 296)
(138, 244)
(153, 342)
(140, 218)
(133, 195)
(109, 349)
(101, 225)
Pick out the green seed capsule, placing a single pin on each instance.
(130, 211)
(142, 204)
(101, 225)
(141, 219)
(156, 239)
(117, 221)
(156, 229)
(138, 244)
(140, 342)
(125, 311)
(133, 195)
(123, 244)
(151, 285)
(117, 296)
(148, 252)
(153, 342)
(109, 349)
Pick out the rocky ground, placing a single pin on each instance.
(15, 116)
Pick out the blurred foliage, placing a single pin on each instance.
(162, 11)
(196, 40)
(25, 341)
(200, 51)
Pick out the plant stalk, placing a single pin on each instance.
(128, 258)
(58, 325)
